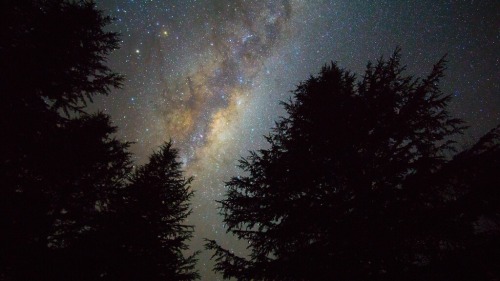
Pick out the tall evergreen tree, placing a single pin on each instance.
(85, 190)
(70, 208)
(158, 206)
(53, 54)
(470, 217)
(59, 165)
(344, 191)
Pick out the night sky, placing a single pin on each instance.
(210, 74)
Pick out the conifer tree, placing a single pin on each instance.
(70, 208)
(158, 206)
(344, 191)
(86, 192)
(469, 218)
(59, 165)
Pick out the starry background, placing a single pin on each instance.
(209, 74)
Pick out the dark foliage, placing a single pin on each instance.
(470, 191)
(57, 172)
(158, 204)
(352, 186)
(68, 209)
(53, 52)
(141, 235)
(63, 198)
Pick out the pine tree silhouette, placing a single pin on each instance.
(52, 60)
(347, 189)
(158, 206)
(70, 207)
(468, 221)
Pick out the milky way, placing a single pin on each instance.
(210, 74)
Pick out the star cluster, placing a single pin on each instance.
(210, 73)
